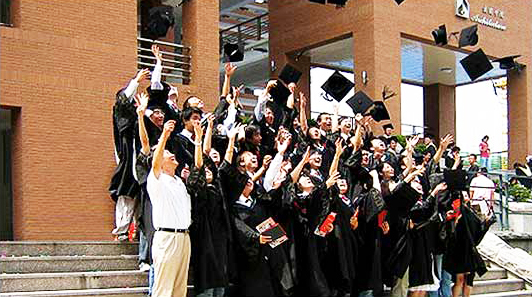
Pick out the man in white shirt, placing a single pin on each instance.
(482, 192)
(171, 209)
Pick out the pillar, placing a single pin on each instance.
(439, 109)
(519, 116)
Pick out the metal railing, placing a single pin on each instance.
(245, 33)
(175, 57)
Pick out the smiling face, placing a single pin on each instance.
(342, 185)
(345, 126)
(269, 116)
(314, 133)
(249, 161)
(387, 171)
(215, 157)
(195, 119)
(169, 162)
(325, 122)
(378, 146)
(157, 117)
(305, 183)
(315, 160)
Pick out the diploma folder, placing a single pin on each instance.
(271, 228)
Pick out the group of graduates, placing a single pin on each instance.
(358, 211)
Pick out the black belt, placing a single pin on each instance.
(173, 230)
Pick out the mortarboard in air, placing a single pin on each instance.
(337, 86)
(399, 2)
(379, 111)
(507, 62)
(280, 93)
(233, 53)
(440, 35)
(158, 97)
(318, 1)
(455, 179)
(387, 126)
(476, 64)
(161, 18)
(360, 102)
(337, 2)
(290, 74)
(468, 36)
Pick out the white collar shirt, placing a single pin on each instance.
(171, 207)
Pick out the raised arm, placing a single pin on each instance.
(263, 98)
(157, 163)
(198, 154)
(134, 83)
(230, 69)
(334, 118)
(157, 70)
(297, 171)
(356, 140)
(410, 143)
(276, 163)
(338, 152)
(208, 135)
(265, 164)
(444, 143)
(303, 113)
(292, 98)
(142, 103)
(231, 145)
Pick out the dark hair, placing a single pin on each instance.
(473, 155)
(455, 149)
(428, 135)
(251, 130)
(319, 116)
(393, 138)
(484, 170)
(188, 112)
(485, 137)
(186, 104)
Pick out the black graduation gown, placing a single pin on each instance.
(262, 270)
(125, 130)
(342, 247)
(209, 233)
(461, 255)
(306, 213)
(143, 167)
(369, 273)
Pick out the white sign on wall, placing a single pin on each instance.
(462, 8)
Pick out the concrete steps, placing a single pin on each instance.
(498, 282)
(70, 269)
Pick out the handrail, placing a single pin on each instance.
(245, 22)
(175, 65)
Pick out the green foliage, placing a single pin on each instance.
(312, 122)
(520, 193)
(421, 148)
(402, 140)
(246, 119)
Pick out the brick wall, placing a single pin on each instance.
(60, 68)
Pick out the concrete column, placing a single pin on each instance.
(201, 32)
(439, 109)
(519, 116)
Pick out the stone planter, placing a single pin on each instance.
(520, 217)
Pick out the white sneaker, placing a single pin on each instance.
(144, 267)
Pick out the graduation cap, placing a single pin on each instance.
(160, 18)
(379, 111)
(440, 35)
(360, 102)
(158, 97)
(476, 64)
(387, 126)
(280, 93)
(318, 1)
(337, 86)
(289, 74)
(468, 36)
(399, 2)
(455, 179)
(337, 2)
(507, 62)
(233, 53)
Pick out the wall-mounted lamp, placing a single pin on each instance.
(272, 66)
(365, 77)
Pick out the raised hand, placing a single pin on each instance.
(156, 52)
(198, 131)
(339, 146)
(142, 102)
(302, 102)
(332, 179)
(306, 156)
(210, 121)
(266, 161)
(234, 131)
(168, 127)
(271, 84)
(230, 69)
(142, 74)
(282, 146)
(411, 143)
(444, 142)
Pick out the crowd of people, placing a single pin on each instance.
(283, 206)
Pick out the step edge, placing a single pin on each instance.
(8, 276)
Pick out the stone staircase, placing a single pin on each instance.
(70, 269)
(498, 282)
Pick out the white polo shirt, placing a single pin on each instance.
(170, 201)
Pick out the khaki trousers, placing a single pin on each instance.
(171, 256)
(401, 286)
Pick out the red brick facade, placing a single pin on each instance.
(61, 64)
